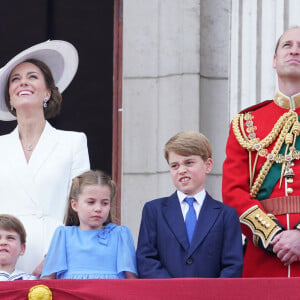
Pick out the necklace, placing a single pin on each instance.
(29, 147)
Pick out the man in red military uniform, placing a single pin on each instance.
(261, 173)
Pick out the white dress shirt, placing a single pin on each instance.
(199, 197)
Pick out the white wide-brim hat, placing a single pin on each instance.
(60, 56)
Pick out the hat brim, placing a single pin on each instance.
(60, 56)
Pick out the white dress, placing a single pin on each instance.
(36, 192)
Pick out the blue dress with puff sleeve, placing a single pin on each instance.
(88, 254)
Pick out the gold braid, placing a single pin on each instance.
(267, 165)
(281, 129)
(267, 141)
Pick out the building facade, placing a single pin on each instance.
(190, 65)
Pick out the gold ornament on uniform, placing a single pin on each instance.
(286, 130)
(40, 292)
(261, 224)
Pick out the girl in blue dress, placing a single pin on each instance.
(90, 246)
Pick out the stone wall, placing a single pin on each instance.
(191, 65)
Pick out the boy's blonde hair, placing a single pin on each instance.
(11, 223)
(188, 143)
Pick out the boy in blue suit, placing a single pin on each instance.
(178, 239)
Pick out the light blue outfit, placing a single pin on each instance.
(88, 254)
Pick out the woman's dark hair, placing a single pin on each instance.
(54, 103)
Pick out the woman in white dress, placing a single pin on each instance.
(38, 161)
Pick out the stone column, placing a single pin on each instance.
(161, 94)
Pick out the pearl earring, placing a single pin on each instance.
(11, 106)
(45, 103)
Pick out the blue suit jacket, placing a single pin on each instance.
(163, 250)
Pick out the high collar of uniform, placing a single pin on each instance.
(287, 102)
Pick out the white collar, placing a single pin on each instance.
(199, 196)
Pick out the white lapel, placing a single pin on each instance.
(25, 172)
(43, 149)
(17, 160)
(15, 150)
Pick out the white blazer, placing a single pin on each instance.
(37, 191)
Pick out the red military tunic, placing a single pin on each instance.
(249, 177)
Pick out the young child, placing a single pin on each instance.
(12, 245)
(90, 246)
(178, 239)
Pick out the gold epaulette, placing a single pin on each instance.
(262, 225)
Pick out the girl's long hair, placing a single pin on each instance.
(91, 177)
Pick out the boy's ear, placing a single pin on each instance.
(22, 251)
(74, 204)
(209, 163)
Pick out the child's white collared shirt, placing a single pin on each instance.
(199, 197)
(15, 275)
